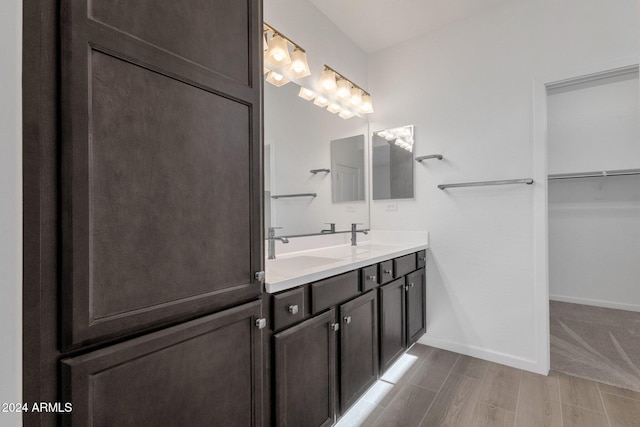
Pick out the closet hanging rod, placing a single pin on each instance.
(527, 181)
(618, 172)
(282, 196)
(430, 156)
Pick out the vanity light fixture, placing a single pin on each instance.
(321, 101)
(277, 79)
(307, 94)
(346, 91)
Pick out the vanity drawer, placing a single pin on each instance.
(334, 290)
(369, 278)
(404, 265)
(422, 258)
(289, 307)
(385, 272)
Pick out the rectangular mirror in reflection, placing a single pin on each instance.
(347, 169)
(392, 163)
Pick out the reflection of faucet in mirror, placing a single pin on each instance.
(271, 237)
(354, 232)
(332, 228)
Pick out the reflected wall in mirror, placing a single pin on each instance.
(347, 169)
(392, 163)
(298, 137)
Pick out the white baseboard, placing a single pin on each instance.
(481, 353)
(595, 302)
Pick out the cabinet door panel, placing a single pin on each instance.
(359, 347)
(392, 323)
(161, 160)
(416, 305)
(305, 373)
(197, 373)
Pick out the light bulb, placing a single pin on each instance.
(328, 81)
(321, 101)
(277, 79)
(307, 94)
(346, 114)
(278, 52)
(299, 66)
(356, 97)
(343, 89)
(334, 108)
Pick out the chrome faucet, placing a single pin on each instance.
(271, 237)
(354, 232)
(332, 228)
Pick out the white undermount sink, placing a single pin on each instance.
(301, 262)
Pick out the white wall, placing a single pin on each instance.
(468, 91)
(11, 207)
(299, 132)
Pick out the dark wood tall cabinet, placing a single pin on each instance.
(143, 185)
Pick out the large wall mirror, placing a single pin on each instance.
(392, 163)
(315, 165)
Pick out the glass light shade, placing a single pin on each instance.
(278, 52)
(299, 66)
(265, 70)
(343, 89)
(321, 101)
(334, 108)
(328, 81)
(307, 94)
(277, 79)
(265, 45)
(367, 105)
(356, 97)
(346, 114)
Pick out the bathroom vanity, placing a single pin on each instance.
(340, 317)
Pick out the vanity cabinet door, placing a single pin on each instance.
(305, 373)
(359, 347)
(392, 323)
(416, 305)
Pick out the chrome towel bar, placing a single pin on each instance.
(527, 181)
(315, 171)
(282, 196)
(419, 159)
(619, 172)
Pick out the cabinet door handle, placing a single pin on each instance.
(406, 288)
(372, 278)
(387, 271)
(347, 319)
(293, 309)
(261, 323)
(335, 327)
(422, 258)
(411, 285)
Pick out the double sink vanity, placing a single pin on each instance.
(341, 315)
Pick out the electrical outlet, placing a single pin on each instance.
(350, 209)
(391, 207)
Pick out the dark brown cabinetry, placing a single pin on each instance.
(191, 374)
(314, 379)
(143, 208)
(416, 308)
(358, 347)
(305, 372)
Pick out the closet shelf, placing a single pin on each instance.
(596, 174)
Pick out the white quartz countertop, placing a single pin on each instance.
(298, 268)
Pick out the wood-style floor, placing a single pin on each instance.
(429, 387)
